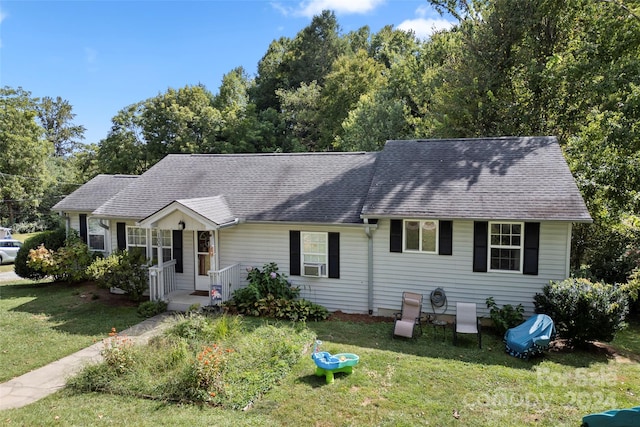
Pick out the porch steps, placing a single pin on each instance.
(182, 300)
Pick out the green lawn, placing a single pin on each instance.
(42, 322)
(398, 382)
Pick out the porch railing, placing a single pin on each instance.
(224, 281)
(162, 281)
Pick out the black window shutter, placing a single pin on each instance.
(121, 232)
(83, 228)
(445, 244)
(334, 255)
(480, 242)
(294, 253)
(177, 250)
(395, 236)
(531, 248)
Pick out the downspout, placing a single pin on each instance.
(67, 223)
(367, 230)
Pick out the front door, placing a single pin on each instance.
(204, 256)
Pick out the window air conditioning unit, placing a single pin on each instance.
(314, 270)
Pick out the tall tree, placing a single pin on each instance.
(314, 50)
(56, 117)
(351, 77)
(124, 149)
(23, 172)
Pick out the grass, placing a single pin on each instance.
(426, 381)
(42, 322)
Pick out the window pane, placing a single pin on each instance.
(204, 264)
(314, 247)
(96, 242)
(412, 235)
(429, 236)
(505, 259)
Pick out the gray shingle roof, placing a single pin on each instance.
(94, 193)
(520, 178)
(523, 178)
(306, 187)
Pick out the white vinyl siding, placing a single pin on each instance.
(253, 245)
(398, 272)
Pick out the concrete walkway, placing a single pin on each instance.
(9, 276)
(44, 381)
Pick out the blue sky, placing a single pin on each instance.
(104, 55)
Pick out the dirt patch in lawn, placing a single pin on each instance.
(596, 347)
(360, 318)
(89, 291)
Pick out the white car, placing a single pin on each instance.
(8, 250)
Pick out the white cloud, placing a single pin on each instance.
(91, 55)
(423, 10)
(310, 8)
(3, 15)
(424, 27)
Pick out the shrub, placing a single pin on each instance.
(68, 263)
(122, 269)
(52, 240)
(269, 282)
(221, 363)
(584, 311)
(152, 308)
(269, 294)
(119, 352)
(506, 317)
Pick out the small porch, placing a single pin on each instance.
(162, 286)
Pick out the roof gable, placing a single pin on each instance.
(94, 193)
(212, 211)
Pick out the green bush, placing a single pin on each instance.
(506, 317)
(122, 269)
(269, 282)
(584, 311)
(151, 308)
(269, 294)
(52, 240)
(68, 263)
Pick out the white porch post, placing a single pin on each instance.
(160, 262)
(213, 265)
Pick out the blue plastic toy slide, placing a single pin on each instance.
(531, 337)
(614, 418)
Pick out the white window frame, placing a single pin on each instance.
(421, 223)
(140, 233)
(154, 244)
(93, 225)
(491, 246)
(315, 258)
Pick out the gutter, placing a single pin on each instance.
(368, 231)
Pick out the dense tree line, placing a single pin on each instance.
(533, 67)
